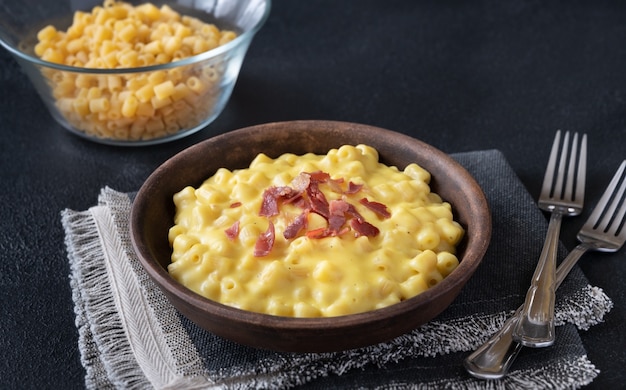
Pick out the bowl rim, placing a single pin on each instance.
(241, 39)
(478, 241)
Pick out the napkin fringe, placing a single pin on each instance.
(558, 375)
(99, 326)
(150, 352)
(585, 309)
(161, 348)
(117, 340)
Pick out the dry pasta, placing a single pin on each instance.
(334, 264)
(132, 106)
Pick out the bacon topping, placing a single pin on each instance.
(265, 242)
(324, 177)
(337, 218)
(319, 204)
(304, 192)
(296, 226)
(269, 205)
(376, 207)
(235, 205)
(354, 213)
(301, 182)
(353, 188)
(338, 207)
(317, 233)
(364, 228)
(233, 231)
(320, 176)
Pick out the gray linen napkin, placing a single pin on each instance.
(131, 337)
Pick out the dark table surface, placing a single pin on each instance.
(461, 76)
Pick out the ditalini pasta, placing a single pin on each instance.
(313, 235)
(140, 105)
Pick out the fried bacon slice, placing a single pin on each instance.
(304, 192)
(364, 228)
(337, 218)
(353, 188)
(354, 213)
(301, 182)
(319, 204)
(324, 177)
(376, 207)
(269, 204)
(297, 225)
(265, 242)
(317, 233)
(233, 231)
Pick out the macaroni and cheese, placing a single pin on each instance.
(313, 235)
(133, 106)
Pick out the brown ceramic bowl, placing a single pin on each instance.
(153, 211)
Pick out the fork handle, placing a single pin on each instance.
(494, 358)
(535, 327)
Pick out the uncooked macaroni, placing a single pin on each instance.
(313, 235)
(133, 106)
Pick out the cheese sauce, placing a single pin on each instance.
(313, 235)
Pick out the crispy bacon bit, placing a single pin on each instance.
(296, 226)
(317, 233)
(353, 188)
(301, 202)
(335, 185)
(233, 231)
(285, 192)
(319, 204)
(354, 213)
(269, 204)
(319, 176)
(335, 223)
(304, 192)
(376, 207)
(337, 209)
(293, 199)
(271, 196)
(301, 182)
(324, 177)
(265, 242)
(235, 205)
(363, 228)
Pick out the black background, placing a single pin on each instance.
(459, 75)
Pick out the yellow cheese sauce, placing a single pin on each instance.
(367, 258)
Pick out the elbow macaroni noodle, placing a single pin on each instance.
(313, 277)
(132, 106)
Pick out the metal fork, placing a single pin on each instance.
(604, 231)
(535, 327)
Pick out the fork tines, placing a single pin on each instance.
(556, 188)
(611, 219)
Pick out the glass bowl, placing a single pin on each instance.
(178, 97)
